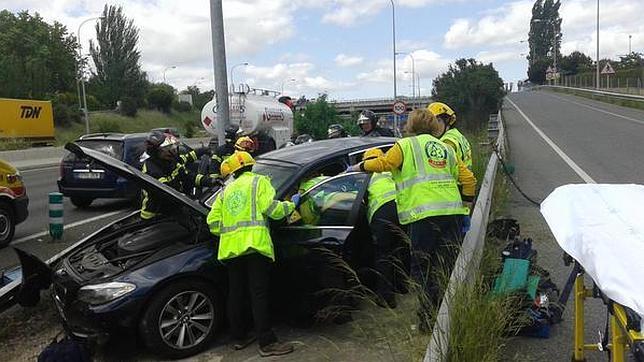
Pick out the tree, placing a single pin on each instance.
(116, 59)
(160, 97)
(472, 89)
(630, 61)
(544, 37)
(316, 118)
(37, 60)
(576, 62)
(199, 99)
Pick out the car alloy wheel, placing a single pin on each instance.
(186, 319)
(7, 226)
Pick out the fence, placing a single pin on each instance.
(612, 83)
(469, 258)
(602, 92)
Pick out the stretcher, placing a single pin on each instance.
(601, 230)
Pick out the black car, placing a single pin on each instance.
(83, 182)
(163, 279)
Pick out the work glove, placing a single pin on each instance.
(465, 227)
(296, 199)
(353, 168)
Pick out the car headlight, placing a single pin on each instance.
(102, 293)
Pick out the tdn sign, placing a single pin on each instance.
(29, 112)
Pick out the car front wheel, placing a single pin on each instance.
(7, 224)
(81, 202)
(182, 319)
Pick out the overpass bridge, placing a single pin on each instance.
(381, 106)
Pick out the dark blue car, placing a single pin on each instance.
(162, 278)
(83, 182)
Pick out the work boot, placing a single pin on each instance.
(240, 344)
(276, 349)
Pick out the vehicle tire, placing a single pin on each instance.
(7, 223)
(163, 323)
(81, 202)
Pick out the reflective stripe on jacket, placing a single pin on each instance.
(426, 183)
(461, 146)
(151, 206)
(239, 215)
(382, 189)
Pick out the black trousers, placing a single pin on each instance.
(390, 251)
(435, 245)
(248, 275)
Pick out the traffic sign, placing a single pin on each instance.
(399, 107)
(608, 69)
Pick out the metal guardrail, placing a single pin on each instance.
(469, 258)
(599, 92)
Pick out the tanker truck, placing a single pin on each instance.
(261, 114)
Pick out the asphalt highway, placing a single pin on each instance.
(557, 139)
(39, 183)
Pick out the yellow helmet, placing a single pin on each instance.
(244, 143)
(235, 162)
(439, 108)
(372, 153)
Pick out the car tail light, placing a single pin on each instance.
(18, 189)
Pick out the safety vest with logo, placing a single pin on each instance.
(463, 148)
(426, 182)
(239, 215)
(381, 190)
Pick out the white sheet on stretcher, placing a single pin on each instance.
(602, 227)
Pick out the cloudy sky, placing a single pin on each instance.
(343, 47)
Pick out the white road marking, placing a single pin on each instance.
(69, 226)
(578, 170)
(39, 169)
(597, 109)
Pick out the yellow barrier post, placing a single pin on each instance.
(580, 296)
(618, 348)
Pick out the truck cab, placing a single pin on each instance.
(14, 202)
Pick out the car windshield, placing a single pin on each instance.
(277, 173)
(111, 148)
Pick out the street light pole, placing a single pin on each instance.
(629, 44)
(166, 68)
(219, 67)
(232, 73)
(393, 34)
(413, 74)
(284, 81)
(80, 76)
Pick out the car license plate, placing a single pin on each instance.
(89, 175)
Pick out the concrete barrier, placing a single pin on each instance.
(469, 258)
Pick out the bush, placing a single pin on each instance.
(189, 129)
(160, 97)
(182, 106)
(65, 115)
(108, 126)
(128, 107)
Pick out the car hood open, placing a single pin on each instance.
(145, 181)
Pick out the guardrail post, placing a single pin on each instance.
(56, 215)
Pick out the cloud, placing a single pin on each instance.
(351, 12)
(428, 64)
(295, 77)
(505, 25)
(344, 60)
(498, 56)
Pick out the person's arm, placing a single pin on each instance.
(214, 216)
(270, 207)
(392, 160)
(468, 182)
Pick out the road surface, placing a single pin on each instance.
(557, 139)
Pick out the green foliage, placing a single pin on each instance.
(631, 61)
(182, 106)
(108, 126)
(117, 72)
(544, 37)
(128, 107)
(316, 118)
(537, 71)
(65, 115)
(189, 129)
(575, 63)
(472, 89)
(199, 99)
(36, 59)
(160, 97)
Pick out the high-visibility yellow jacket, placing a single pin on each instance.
(460, 144)
(381, 190)
(240, 215)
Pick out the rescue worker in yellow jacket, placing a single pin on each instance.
(446, 118)
(426, 172)
(240, 216)
(385, 230)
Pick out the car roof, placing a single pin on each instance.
(323, 149)
(113, 136)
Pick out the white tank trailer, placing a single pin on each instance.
(261, 114)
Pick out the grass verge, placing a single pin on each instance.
(601, 98)
(144, 121)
